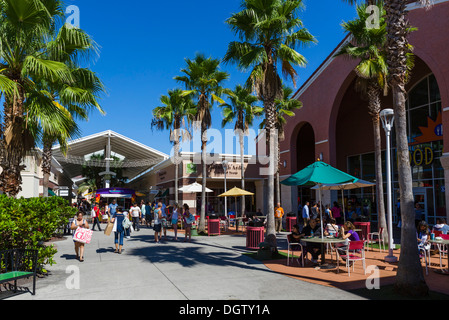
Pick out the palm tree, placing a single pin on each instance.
(25, 27)
(368, 46)
(241, 110)
(284, 107)
(203, 79)
(176, 112)
(410, 278)
(270, 32)
(77, 98)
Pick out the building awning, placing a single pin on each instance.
(135, 157)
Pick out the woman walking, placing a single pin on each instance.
(79, 222)
(117, 219)
(174, 220)
(188, 220)
(157, 222)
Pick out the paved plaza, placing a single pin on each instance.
(208, 268)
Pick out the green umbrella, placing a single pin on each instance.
(319, 173)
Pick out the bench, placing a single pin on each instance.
(18, 264)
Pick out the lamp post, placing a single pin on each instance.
(225, 168)
(387, 118)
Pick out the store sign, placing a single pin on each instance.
(421, 156)
(433, 131)
(234, 170)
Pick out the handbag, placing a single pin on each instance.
(83, 235)
(126, 223)
(108, 229)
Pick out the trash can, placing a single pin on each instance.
(291, 221)
(213, 227)
(365, 227)
(254, 236)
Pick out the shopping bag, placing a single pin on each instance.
(108, 229)
(83, 235)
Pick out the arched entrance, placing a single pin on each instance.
(305, 155)
(354, 145)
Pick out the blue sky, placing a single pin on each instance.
(143, 46)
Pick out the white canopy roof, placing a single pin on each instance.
(135, 157)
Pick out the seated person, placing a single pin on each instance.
(441, 226)
(348, 233)
(332, 227)
(312, 229)
(423, 235)
(296, 236)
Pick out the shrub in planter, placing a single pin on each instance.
(28, 223)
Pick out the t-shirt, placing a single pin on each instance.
(113, 208)
(305, 212)
(135, 211)
(156, 216)
(278, 212)
(307, 230)
(174, 215)
(119, 220)
(354, 236)
(96, 210)
(336, 212)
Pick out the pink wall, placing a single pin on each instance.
(326, 99)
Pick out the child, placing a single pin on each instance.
(332, 227)
(423, 235)
(188, 220)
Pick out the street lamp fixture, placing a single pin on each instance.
(387, 118)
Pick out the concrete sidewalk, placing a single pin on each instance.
(208, 268)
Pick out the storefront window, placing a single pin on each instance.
(426, 147)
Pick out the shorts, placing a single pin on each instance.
(174, 221)
(157, 227)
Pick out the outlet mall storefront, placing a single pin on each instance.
(337, 127)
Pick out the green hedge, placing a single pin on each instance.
(28, 223)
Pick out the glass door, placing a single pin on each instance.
(420, 197)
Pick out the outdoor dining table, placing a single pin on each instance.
(323, 241)
(442, 242)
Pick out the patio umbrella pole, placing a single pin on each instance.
(321, 213)
(343, 204)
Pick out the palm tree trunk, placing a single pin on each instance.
(409, 278)
(202, 223)
(242, 205)
(13, 145)
(176, 155)
(270, 113)
(277, 180)
(46, 164)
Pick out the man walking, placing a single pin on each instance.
(112, 208)
(305, 213)
(95, 215)
(278, 214)
(136, 214)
